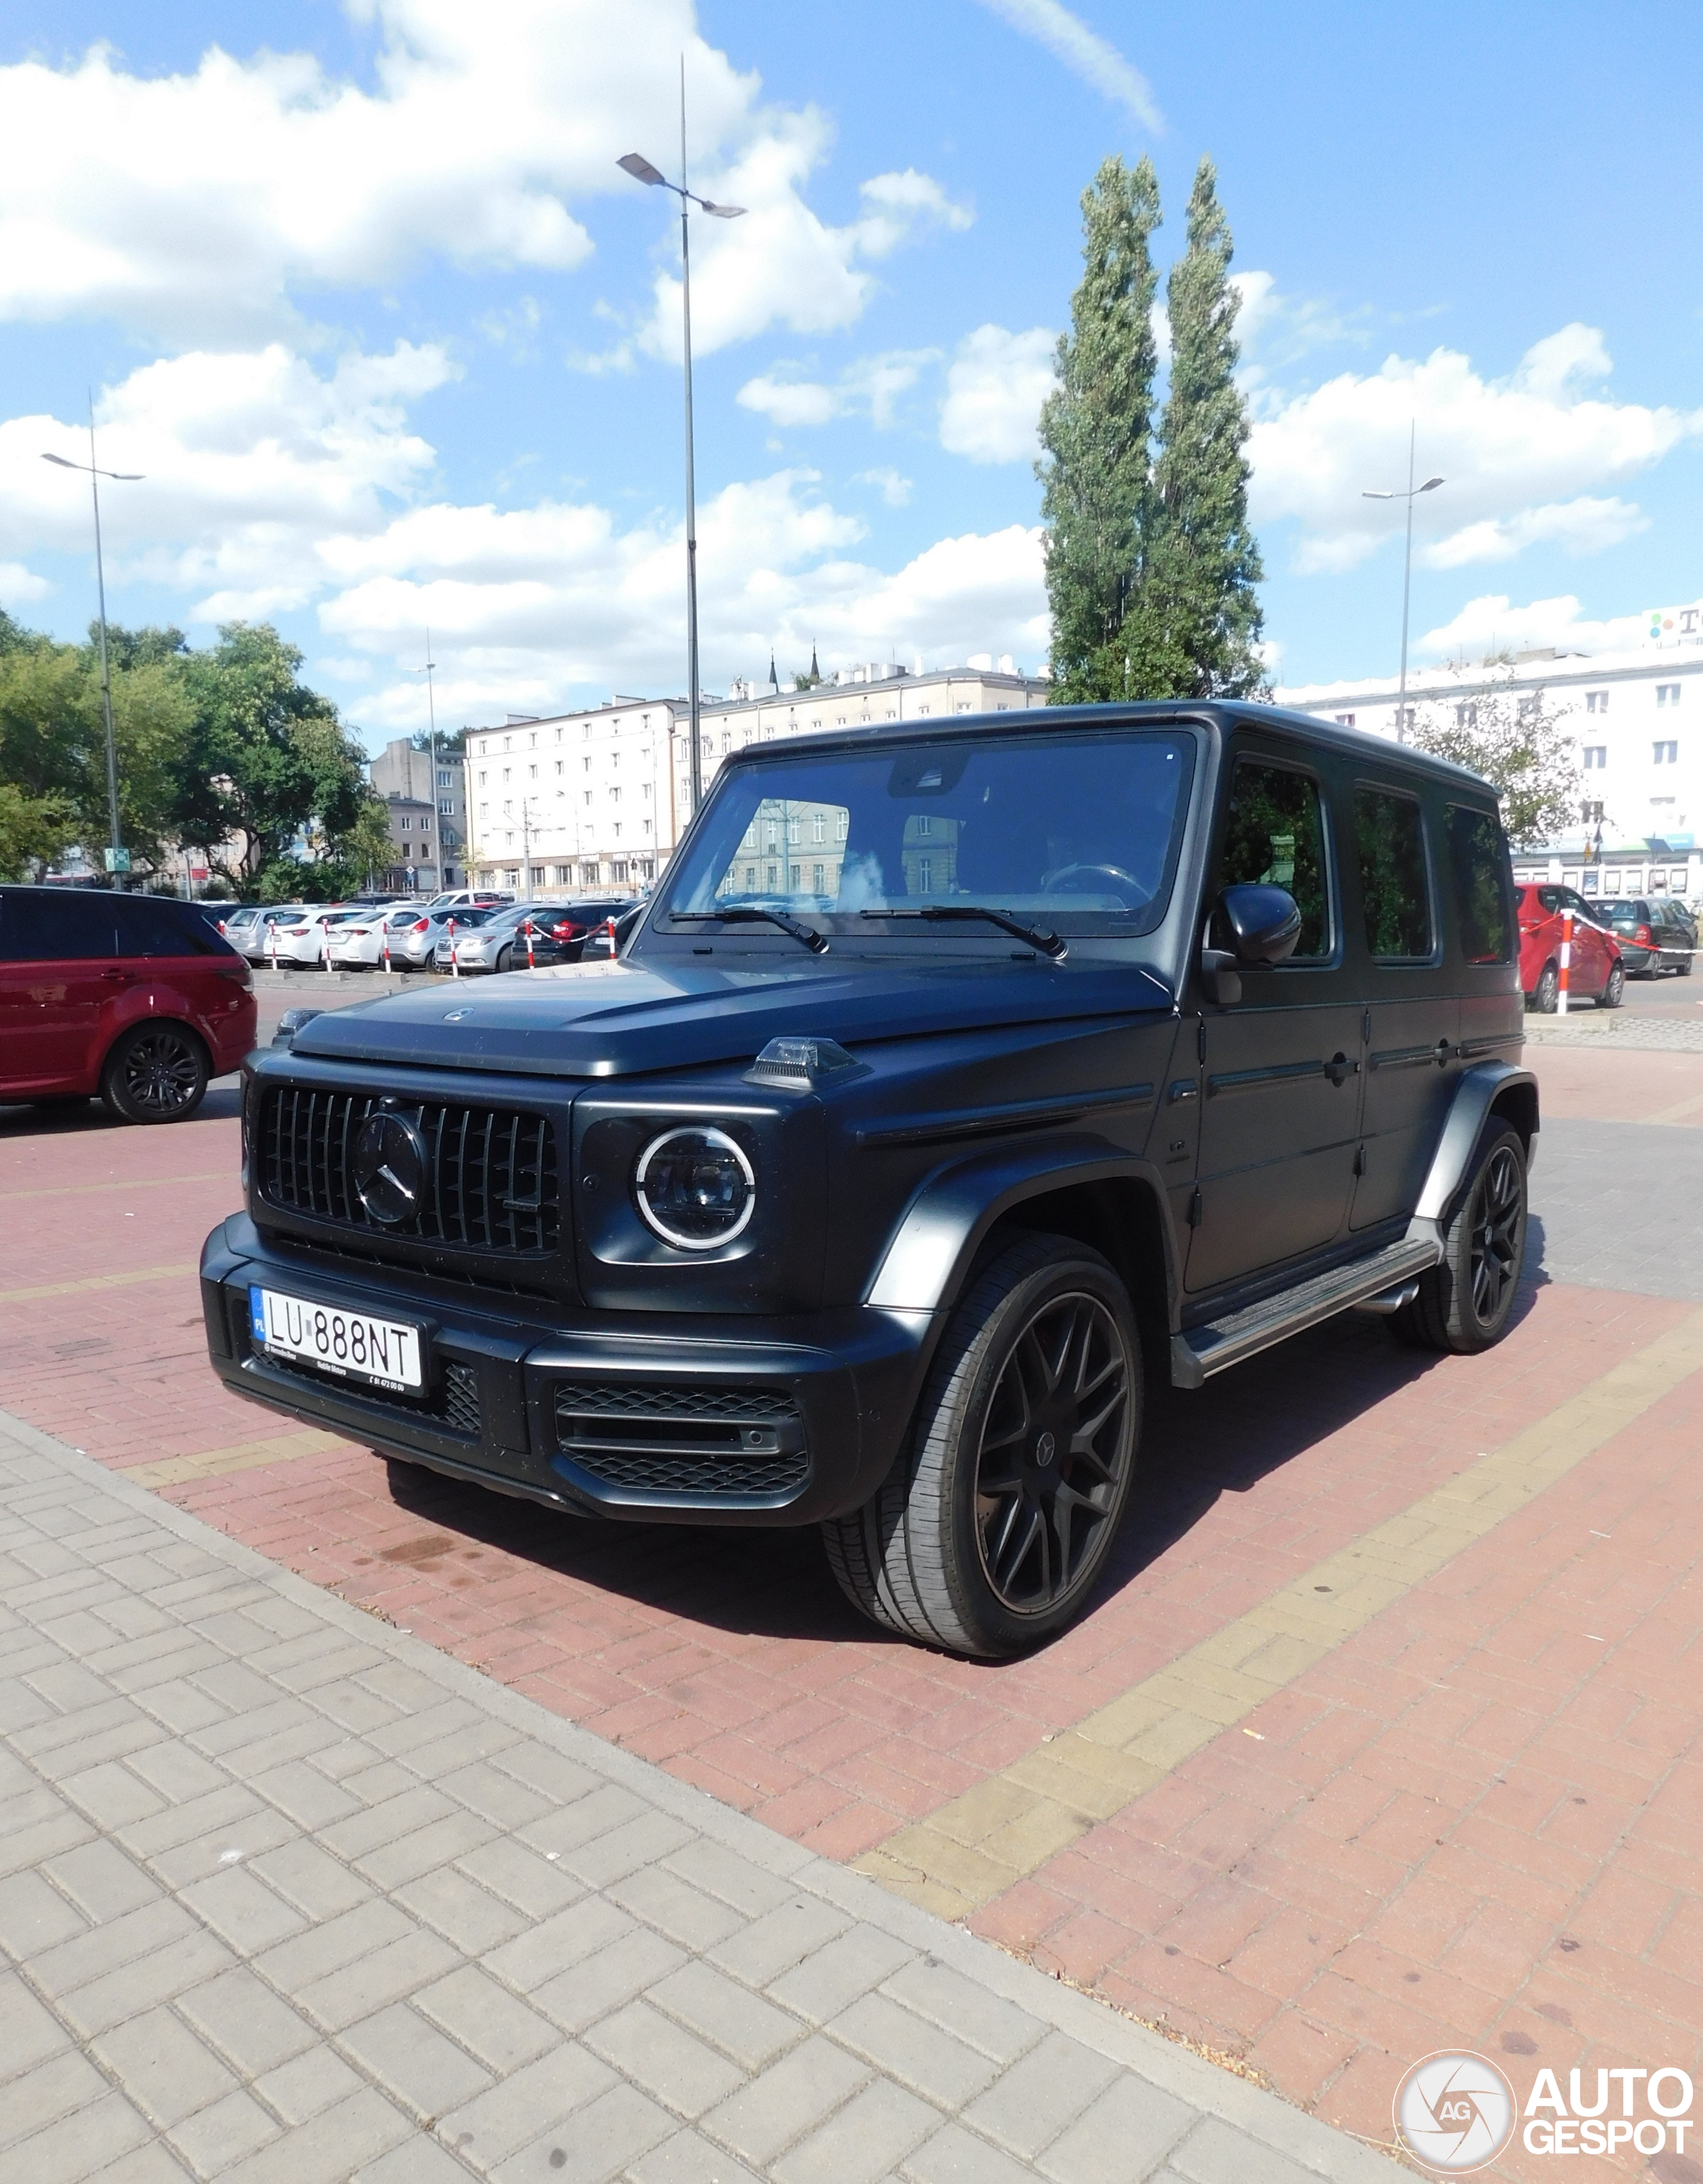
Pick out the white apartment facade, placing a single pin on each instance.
(1636, 715)
(593, 802)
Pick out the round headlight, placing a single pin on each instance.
(695, 1188)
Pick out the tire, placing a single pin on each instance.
(1464, 1304)
(505, 961)
(1682, 968)
(1546, 993)
(959, 1546)
(157, 1073)
(1614, 992)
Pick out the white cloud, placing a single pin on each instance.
(781, 265)
(1084, 53)
(1273, 328)
(870, 387)
(1519, 454)
(994, 391)
(191, 205)
(894, 489)
(21, 587)
(1491, 624)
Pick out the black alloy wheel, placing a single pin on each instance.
(1614, 992)
(1465, 1303)
(1053, 1450)
(156, 1073)
(1547, 993)
(995, 1522)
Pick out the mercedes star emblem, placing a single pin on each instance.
(388, 1167)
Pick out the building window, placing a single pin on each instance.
(446, 807)
(1667, 694)
(1665, 754)
(481, 777)
(819, 826)
(618, 869)
(407, 824)
(750, 879)
(1595, 756)
(816, 879)
(925, 875)
(1591, 814)
(505, 775)
(1467, 715)
(615, 796)
(588, 796)
(565, 875)
(512, 877)
(558, 768)
(772, 879)
(1596, 701)
(589, 875)
(446, 779)
(1342, 719)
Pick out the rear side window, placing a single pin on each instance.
(44, 925)
(149, 927)
(1394, 876)
(1276, 838)
(1483, 885)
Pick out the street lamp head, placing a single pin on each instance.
(722, 211)
(641, 169)
(1377, 496)
(1430, 485)
(135, 478)
(62, 463)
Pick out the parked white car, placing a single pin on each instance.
(253, 939)
(470, 898)
(305, 939)
(361, 942)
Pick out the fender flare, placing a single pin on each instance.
(952, 1209)
(1482, 1089)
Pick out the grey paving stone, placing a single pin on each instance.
(53, 2089)
(447, 1756)
(413, 1960)
(309, 1796)
(784, 1938)
(496, 2026)
(740, 1882)
(526, 1878)
(1031, 2104)
(832, 1977)
(1215, 2153)
(77, 2146)
(667, 2061)
(867, 2139)
(909, 2049)
(307, 2084)
(675, 1908)
(111, 1794)
(1121, 2138)
(163, 2068)
(158, 1976)
(241, 1909)
(469, 1916)
(750, 2029)
(603, 1982)
(687, 2158)
(34, 1917)
(534, 2099)
(253, 2028)
(177, 1771)
(326, 2149)
(413, 2061)
(319, 1885)
(792, 2097)
(624, 1850)
(326, 1948)
(422, 1849)
(152, 2162)
(110, 1947)
(366, 1831)
(958, 2006)
(29, 2034)
(418, 2160)
(957, 2156)
(484, 1789)
(565, 1938)
(563, 1780)
(607, 2134)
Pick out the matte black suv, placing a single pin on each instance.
(956, 1077)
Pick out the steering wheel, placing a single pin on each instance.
(1061, 882)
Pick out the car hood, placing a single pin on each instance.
(621, 1018)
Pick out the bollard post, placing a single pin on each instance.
(1567, 962)
(272, 941)
(611, 940)
(326, 943)
(531, 964)
(454, 967)
(384, 942)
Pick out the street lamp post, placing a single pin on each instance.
(1412, 494)
(115, 847)
(635, 165)
(432, 746)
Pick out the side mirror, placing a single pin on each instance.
(1265, 924)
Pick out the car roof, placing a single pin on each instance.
(1304, 728)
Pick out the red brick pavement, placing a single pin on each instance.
(1476, 1822)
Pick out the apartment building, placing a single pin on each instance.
(427, 802)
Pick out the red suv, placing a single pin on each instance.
(1597, 972)
(135, 997)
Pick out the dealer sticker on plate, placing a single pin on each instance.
(351, 1344)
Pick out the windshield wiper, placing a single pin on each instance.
(749, 914)
(1049, 944)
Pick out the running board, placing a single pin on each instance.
(1196, 1355)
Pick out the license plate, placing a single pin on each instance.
(351, 1345)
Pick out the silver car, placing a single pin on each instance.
(451, 927)
(497, 944)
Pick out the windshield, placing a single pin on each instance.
(1078, 831)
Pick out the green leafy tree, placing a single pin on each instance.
(1195, 621)
(1519, 743)
(1096, 427)
(34, 830)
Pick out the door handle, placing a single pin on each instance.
(1340, 1069)
(114, 977)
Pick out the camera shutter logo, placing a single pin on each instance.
(388, 1168)
(1455, 2113)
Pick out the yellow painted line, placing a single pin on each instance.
(137, 1183)
(247, 1456)
(96, 1282)
(984, 1842)
(1677, 1112)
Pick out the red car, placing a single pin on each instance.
(1596, 973)
(135, 997)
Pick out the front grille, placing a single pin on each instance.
(454, 1405)
(700, 1442)
(491, 1173)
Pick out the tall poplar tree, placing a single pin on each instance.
(1194, 619)
(1096, 427)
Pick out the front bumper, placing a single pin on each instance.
(679, 1418)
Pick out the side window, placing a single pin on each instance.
(1394, 876)
(41, 925)
(1550, 899)
(1276, 838)
(154, 928)
(1482, 885)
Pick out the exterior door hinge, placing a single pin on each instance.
(1196, 1209)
